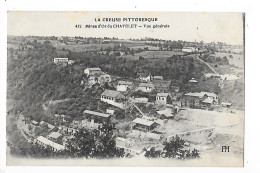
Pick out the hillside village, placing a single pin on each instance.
(145, 108)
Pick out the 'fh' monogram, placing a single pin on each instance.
(225, 148)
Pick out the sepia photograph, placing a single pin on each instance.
(125, 88)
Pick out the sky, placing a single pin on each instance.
(208, 27)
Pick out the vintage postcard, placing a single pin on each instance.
(125, 88)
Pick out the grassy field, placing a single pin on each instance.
(233, 91)
(152, 54)
(84, 47)
(237, 60)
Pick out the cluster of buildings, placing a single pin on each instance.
(120, 98)
(96, 76)
(63, 61)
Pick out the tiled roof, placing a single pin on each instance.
(54, 135)
(125, 83)
(50, 143)
(110, 93)
(162, 94)
(146, 85)
(201, 94)
(143, 121)
(94, 68)
(96, 113)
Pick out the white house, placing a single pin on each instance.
(100, 79)
(114, 98)
(163, 98)
(93, 71)
(60, 60)
(189, 49)
(200, 98)
(145, 87)
(192, 81)
(124, 85)
(46, 142)
(144, 76)
(156, 78)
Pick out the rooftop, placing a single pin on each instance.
(125, 83)
(146, 85)
(55, 135)
(143, 74)
(50, 143)
(166, 112)
(162, 94)
(157, 77)
(96, 113)
(110, 93)
(201, 94)
(143, 121)
(208, 100)
(34, 122)
(226, 103)
(192, 80)
(94, 69)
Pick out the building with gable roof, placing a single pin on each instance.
(163, 98)
(144, 76)
(114, 98)
(198, 99)
(144, 124)
(93, 71)
(97, 117)
(124, 85)
(145, 87)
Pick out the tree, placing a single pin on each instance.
(152, 153)
(99, 143)
(141, 58)
(174, 149)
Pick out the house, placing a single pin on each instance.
(166, 113)
(70, 62)
(114, 98)
(124, 86)
(55, 136)
(199, 99)
(139, 100)
(226, 104)
(48, 143)
(145, 87)
(189, 49)
(192, 81)
(156, 78)
(144, 124)
(144, 76)
(122, 142)
(50, 127)
(161, 85)
(103, 78)
(163, 98)
(61, 60)
(110, 111)
(35, 122)
(99, 78)
(93, 71)
(176, 88)
(68, 130)
(92, 80)
(97, 117)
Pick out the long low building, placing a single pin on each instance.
(97, 117)
(114, 98)
(144, 124)
(46, 142)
